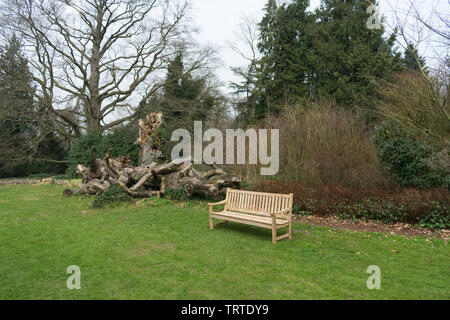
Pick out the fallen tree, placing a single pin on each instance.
(151, 179)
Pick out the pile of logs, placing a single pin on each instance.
(151, 179)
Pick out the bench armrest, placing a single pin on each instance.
(279, 214)
(217, 204)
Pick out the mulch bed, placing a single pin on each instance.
(372, 226)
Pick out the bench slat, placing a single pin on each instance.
(248, 217)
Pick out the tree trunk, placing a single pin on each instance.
(149, 139)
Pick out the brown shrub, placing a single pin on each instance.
(427, 207)
(335, 193)
(320, 145)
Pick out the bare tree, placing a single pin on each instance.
(418, 101)
(92, 60)
(427, 28)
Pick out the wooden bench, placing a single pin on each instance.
(265, 210)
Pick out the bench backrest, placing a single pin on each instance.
(258, 203)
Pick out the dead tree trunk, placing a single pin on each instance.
(149, 139)
(151, 179)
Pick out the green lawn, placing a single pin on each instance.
(164, 250)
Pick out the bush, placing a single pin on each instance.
(81, 151)
(427, 208)
(322, 144)
(112, 196)
(120, 141)
(40, 176)
(178, 194)
(50, 147)
(408, 160)
(432, 215)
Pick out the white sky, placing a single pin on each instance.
(218, 21)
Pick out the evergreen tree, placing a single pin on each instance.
(267, 46)
(245, 92)
(412, 59)
(348, 57)
(283, 70)
(180, 103)
(24, 138)
(17, 123)
(326, 54)
(173, 87)
(186, 99)
(173, 103)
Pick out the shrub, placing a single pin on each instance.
(178, 194)
(112, 196)
(322, 144)
(407, 160)
(413, 141)
(437, 217)
(81, 151)
(51, 148)
(427, 208)
(120, 141)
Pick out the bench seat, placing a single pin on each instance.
(265, 222)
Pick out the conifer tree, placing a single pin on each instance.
(326, 54)
(185, 98)
(283, 69)
(348, 57)
(27, 143)
(17, 110)
(412, 60)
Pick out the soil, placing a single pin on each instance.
(373, 226)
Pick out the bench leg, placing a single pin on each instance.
(285, 236)
(211, 222)
(290, 230)
(212, 225)
(274, 234)
(288, 235)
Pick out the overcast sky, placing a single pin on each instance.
(218, 21)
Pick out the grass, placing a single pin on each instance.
(164, 250)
